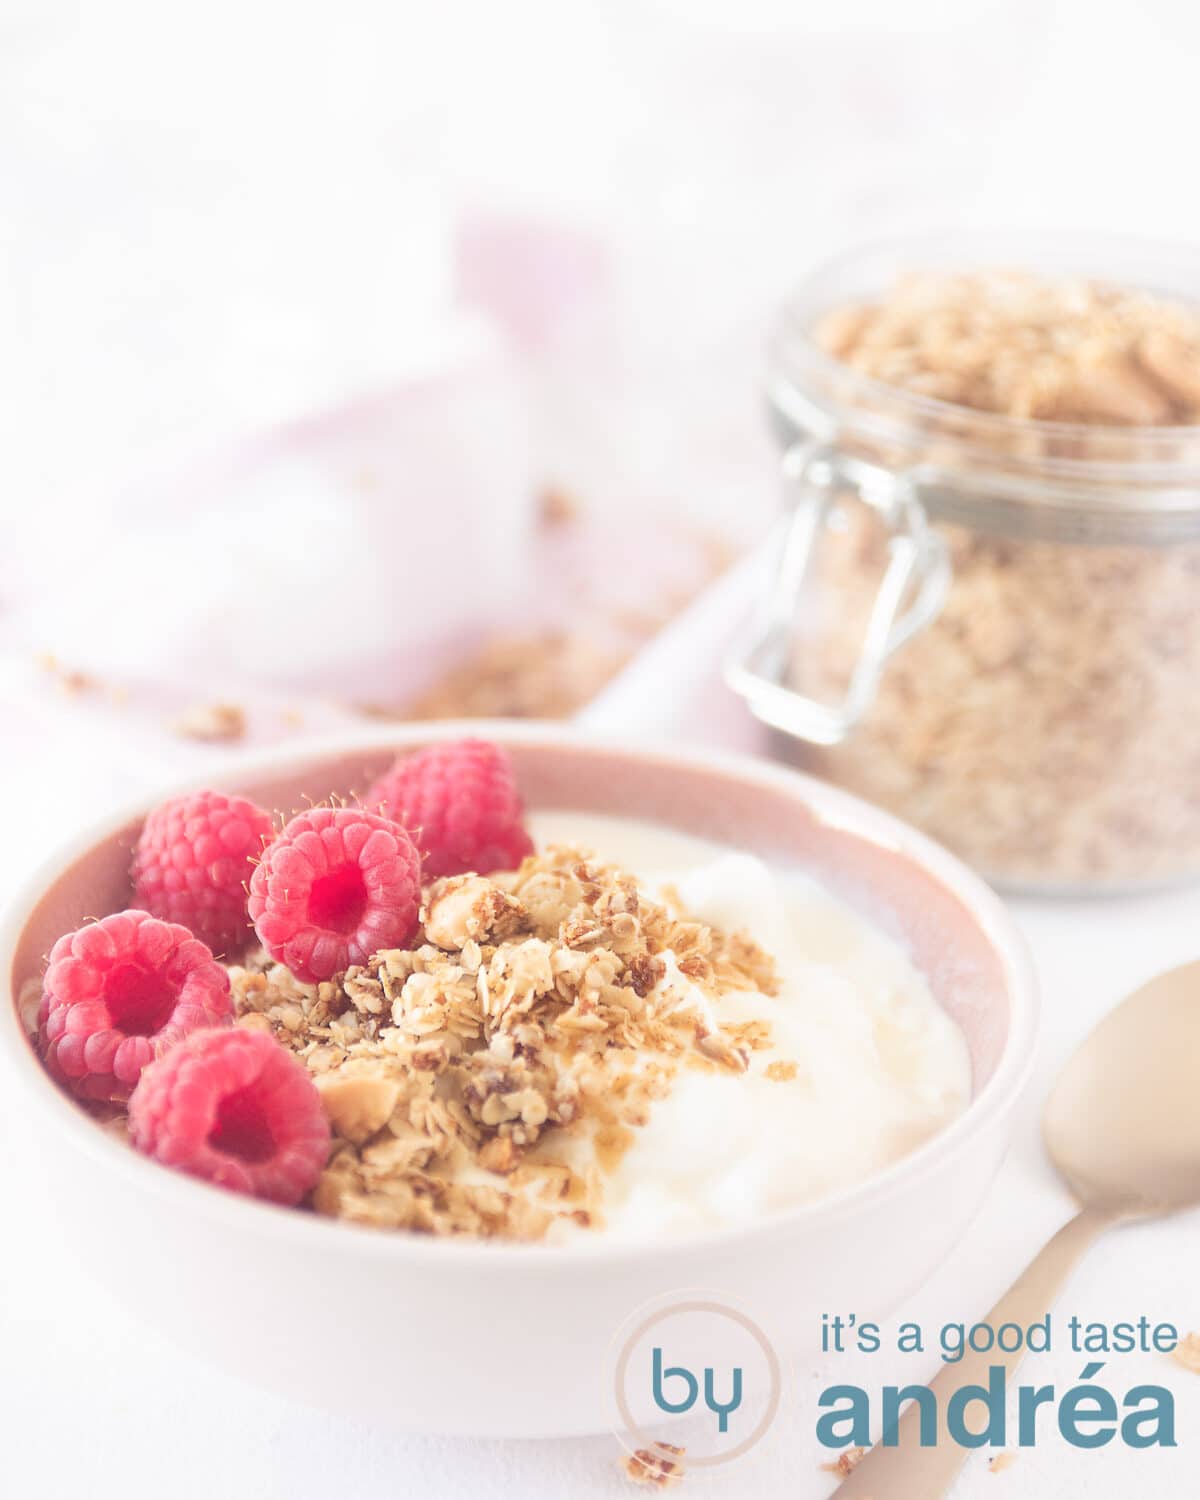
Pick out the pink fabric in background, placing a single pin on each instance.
(537, 278)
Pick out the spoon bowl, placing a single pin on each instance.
(1123, 1123)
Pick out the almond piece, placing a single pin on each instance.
(357, 1106)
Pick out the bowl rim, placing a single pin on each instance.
(829, 804)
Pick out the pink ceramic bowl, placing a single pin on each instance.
(511, 1340)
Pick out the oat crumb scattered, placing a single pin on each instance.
(660, 1466)
(845, 1463)
(1001, 1461)
(782, 1071)
(213, 722)
(557, 507)
(535, 676)
(1187, 1353)
(69, 679)
(551, 674)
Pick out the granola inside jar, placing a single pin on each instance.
(986, 611)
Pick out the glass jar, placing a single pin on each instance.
(989, 625)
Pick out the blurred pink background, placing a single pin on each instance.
(222, 216)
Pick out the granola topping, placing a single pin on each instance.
(535, 1009)
(567, 1048)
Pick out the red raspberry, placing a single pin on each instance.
(121, 992)
(460, 802)
(236, 1108)
(193, 861)
(337, 885)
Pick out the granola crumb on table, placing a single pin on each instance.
(1187, 1353)
(556, 995)
(212, 722)
(659, 1467)
(846, 1462)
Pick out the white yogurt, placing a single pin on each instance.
(880, 1066)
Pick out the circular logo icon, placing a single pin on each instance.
(696, 1361)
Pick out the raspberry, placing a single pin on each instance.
(121, 992)
(461, 804)
(192, 863)
(236, 1108)
(337, 885)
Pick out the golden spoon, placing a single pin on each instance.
(1123, 1128)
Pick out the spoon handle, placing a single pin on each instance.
(910, 1472)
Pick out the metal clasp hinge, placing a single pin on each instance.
(918, 568)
